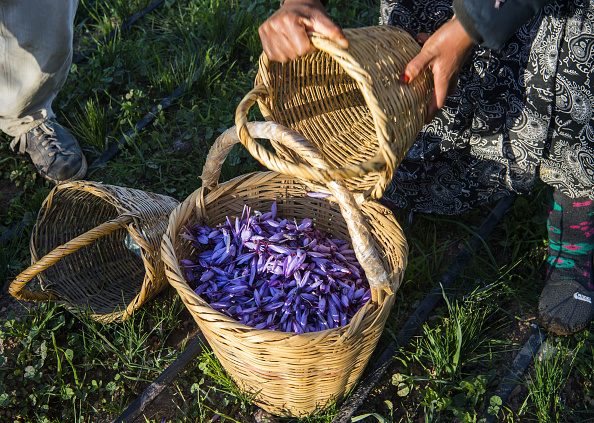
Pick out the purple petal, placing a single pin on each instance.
(220, 305)
(322, 304)
(317, 195)
(305, 224)
(281, 250)
(206, 276)
(343, 319)
(345, 300)
(272, 306)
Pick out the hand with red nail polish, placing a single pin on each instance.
(444, 53)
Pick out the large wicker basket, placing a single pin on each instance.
(96, 249)
(290, 375)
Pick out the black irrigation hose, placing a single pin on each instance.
(164, 379)
(148, 118)
(127, 23)
(414, 322)
(519, 365)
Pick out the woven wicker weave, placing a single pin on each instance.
(349, 104)
(82, 252)
(290, 375)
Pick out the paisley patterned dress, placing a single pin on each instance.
(520, 113)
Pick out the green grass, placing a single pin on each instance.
(58, 367)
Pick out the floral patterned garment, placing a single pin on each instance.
(518, 113)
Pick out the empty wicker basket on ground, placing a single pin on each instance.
(96, 249)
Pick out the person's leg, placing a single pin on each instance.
(567, 166)
(565, 304)
(36, 53)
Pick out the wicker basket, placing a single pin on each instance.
(349, 104)
(96, 249)
(290, 375)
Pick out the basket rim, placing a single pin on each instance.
(360, 320)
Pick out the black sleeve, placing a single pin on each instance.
(492, 26)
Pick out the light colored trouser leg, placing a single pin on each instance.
(35, 56)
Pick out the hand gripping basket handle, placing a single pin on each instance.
(16, 287)
(384, 158)
(365, 251)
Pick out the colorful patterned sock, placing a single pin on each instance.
(571, 238)
(566, 303)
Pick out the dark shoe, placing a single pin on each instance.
(565, 306)
(54, 152)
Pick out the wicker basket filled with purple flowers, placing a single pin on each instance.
(291, 273)
(287, 322)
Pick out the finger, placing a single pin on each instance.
(453, 85)
(431, 110)
(282, 45)
(422, 37)
(271, 49)
(440, 91)
(325, 27)
(299, 43)
(416, 66)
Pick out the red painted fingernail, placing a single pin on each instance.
(404, 78)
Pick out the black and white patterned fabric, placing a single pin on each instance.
(519, 113)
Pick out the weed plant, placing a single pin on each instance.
(550, 373)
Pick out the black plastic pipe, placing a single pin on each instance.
(517, 369)
(148, 118)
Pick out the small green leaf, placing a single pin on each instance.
(4, 400)
(111, 387)
(495, 400)
(379, 418)
(30, 372)
(195, 388)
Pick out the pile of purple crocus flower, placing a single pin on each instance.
(277, 274)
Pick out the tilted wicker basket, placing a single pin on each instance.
(349, 104)
(96, 249)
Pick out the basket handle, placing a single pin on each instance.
(265, 130)
(17, 286)
(366, 254)
(273, 162)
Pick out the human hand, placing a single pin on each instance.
(444, 53)
(284, 34)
